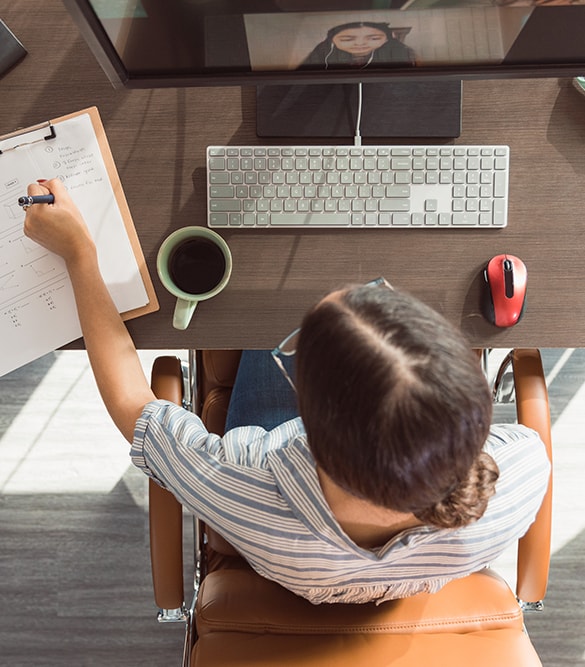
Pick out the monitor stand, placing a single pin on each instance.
(398, 109)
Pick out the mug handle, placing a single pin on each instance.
(183, 312)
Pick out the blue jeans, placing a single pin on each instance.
(261, 395)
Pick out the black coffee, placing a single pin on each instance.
(197, 266)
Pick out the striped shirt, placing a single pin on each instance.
(260, 490)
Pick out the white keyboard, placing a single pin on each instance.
(418, 187)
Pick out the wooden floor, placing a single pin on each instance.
(74, 570)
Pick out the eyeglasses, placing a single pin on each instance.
(284, 353)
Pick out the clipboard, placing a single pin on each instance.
(108, 158)
(37, 308)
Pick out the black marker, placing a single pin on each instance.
(27, 200)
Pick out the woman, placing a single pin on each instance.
(359, 45)
(389, 482)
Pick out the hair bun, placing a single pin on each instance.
(468, 501)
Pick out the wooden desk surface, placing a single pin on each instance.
(158, 138)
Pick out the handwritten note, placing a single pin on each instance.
(37, 307)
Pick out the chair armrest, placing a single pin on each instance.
(533, 411)
(165, 512)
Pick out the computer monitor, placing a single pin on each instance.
(305, 56)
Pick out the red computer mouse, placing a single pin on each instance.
(504, 297)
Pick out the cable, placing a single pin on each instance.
(358, 136)
(327, 56)
(357, 140)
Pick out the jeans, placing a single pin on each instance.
(261, 395)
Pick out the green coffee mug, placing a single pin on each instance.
(194, 264)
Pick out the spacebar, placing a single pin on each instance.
(309, 219)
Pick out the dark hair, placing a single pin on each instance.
(395, 404)
(383, 27)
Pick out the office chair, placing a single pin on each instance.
(239, 618)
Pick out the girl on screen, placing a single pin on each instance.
(358, 44)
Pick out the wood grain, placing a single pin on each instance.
(158, 139)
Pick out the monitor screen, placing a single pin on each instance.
(147, 43)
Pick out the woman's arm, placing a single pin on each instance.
(59, 227)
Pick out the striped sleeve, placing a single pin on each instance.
(223, 477)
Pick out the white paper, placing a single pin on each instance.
(37, 307)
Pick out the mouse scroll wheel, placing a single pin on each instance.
(508, 278)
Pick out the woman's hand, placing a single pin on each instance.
(59, 227)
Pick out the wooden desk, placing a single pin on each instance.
(158, 138)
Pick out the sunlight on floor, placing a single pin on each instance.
(37, 457)
(569, 463)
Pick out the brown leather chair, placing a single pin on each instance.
(240, 618)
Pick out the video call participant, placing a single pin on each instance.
(359, 45)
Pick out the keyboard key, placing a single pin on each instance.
(221, 191)
(499, 211)
(401, 219)
(308, 219)
(391, 205)
(216, 163)
(218, 219)
(227, 205)
(398, 191)
(465, 219)
(399, 164)
(500, 182)
(218, 178)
